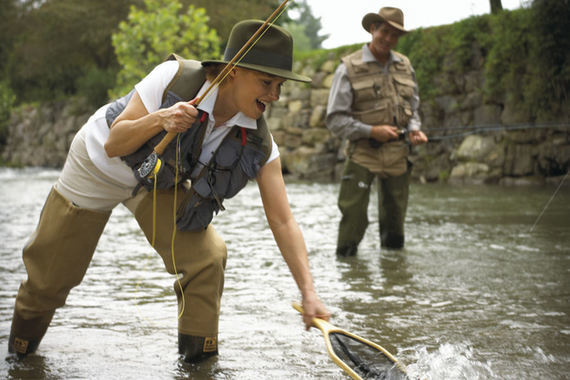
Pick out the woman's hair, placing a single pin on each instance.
(213, 70)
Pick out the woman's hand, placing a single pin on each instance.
(313, 308)
(178, 117)
(135, 126)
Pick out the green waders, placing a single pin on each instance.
(61, 249)
(353, 203)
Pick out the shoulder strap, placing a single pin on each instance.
(266, 142)
(188, 79)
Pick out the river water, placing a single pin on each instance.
(481, 290)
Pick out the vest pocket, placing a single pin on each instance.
(365, 91)
(381, 114)
(404, 86)
(196, 213)
(404, 114)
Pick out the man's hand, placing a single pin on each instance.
(384, 133)
(417, 138)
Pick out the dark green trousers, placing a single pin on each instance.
(353, 204)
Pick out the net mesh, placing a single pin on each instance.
(367, 361)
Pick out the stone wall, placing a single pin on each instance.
(40, 136)
(503, 148)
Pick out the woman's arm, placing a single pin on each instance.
(289, 238)
(135, 125)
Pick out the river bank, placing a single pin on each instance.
(487, 150)
(493, 101)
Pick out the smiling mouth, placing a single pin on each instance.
(261, 105)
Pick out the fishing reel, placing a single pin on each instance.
(149, 168)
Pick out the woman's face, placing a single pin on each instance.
(254, 90)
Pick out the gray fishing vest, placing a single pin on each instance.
(237, 160)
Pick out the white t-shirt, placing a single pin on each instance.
(150, 90)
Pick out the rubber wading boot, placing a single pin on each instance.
(392, 241)
(346, 250)
(196, 348)
(25, 335)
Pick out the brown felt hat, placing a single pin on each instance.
(393, 16)
(272, 53)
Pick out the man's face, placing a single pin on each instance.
(384, 38)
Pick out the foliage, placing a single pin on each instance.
(7, 98)
(224, 14)
(301, 41)
(524, 55)
(551, 51)
(8, 12)
(93, 85)
(505, 70)
(436, 52)
(316, 58)
(56, 42)
(52, 49)
(150, 34)
(308, 24)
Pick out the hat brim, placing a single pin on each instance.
(286, 74)
(371, 18)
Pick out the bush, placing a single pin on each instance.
(525, 55)
(7, 99)
(149, 35)
(94, 85)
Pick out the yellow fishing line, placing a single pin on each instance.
(174, 227)
(548, 203)
(176, 170)
(176, 173)
(154, 213)
(153, 240)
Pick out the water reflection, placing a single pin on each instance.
(474, 295)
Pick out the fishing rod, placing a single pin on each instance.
(548, 203)
(152, 163)
(474, 129)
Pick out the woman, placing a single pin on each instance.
(224, 141)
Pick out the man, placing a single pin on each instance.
(373, 102)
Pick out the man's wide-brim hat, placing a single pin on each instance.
(393, 16)
(272, 53)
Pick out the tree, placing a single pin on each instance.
(306, 24)
(551, 51)
(224, 14)
(150, 34)
(62, 46)
(300, 38)
(496, 6)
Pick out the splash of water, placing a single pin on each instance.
(448, 361)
